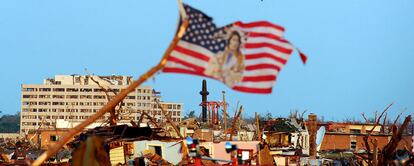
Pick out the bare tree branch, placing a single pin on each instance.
(365, 118)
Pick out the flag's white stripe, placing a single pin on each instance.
(264, 50)
(195, 48)
(264, 60)
(260, 72)
(269, 30)
(170, 64)
(189, 59)
(271, 41)
(262, 84)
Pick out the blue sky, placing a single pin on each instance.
(360, 52)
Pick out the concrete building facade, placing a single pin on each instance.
(70, 99)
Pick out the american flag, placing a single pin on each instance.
(247, 57)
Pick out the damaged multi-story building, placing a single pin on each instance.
(66, 100)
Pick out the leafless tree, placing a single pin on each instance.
(384, 156)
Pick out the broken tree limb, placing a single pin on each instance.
(114, 102)
(235, 118)
(113, 115)
(389, 149)
(366, 137)
(169, 120)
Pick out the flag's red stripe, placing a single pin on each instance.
(253, 90)
(259, 78)
(268, 35)
(265, 55)
(272, 46)
(191, 65)
(262, 66)
(259, 24)
(181, 70)
(191, 53)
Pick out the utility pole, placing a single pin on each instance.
(259, 137)
(225, 114)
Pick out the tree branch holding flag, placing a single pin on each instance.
(245, 56)
(118, 98)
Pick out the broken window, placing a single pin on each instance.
(44, 96)
(130, 97)
(44, 103)
(99, 97)
(29, 89)
(54, 138)
(155, 149)
(355, 131)
(72, 89)
(86, 90)
(85, 96)
(353, 144)
(71, 96)
(58, 96)
(58, 89)
(44, 89)
(30, 96)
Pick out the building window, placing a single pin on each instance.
(71, 103)
(99, 97)
(72, 89)
(44, 96)
(71, 96)
(29, 96)
(353, 144)
(85, 96)
(58, 96)
(42, 110)
(26, 103)
(58, 103)
(355, 131)
(130, 97)
(29, 89)
(44, 103)
(86, 90)
(44, 89)
(58, 89)
(54, 138)
(156, 149)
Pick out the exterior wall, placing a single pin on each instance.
(406, 142)
(45, 137)
(170, 150)
(331, 142)
(334, 141)
(65, 98)
(9, 135)
(218, 151)
(349, 128)
(382, 141)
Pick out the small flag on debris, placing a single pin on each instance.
(245, 56)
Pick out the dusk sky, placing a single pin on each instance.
(361, 53)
